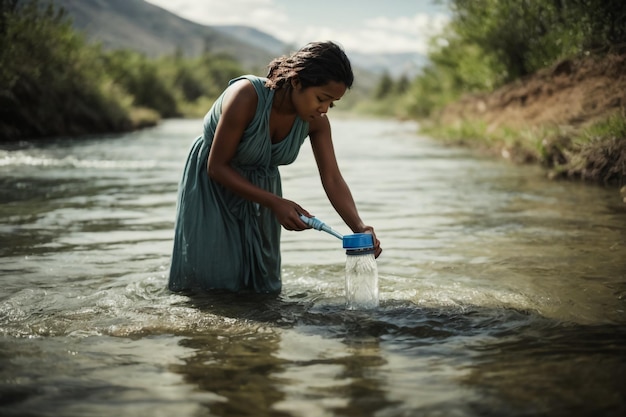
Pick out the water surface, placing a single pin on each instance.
(502, 293)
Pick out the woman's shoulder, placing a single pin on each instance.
(257, 82)
(238, 103)
(248, 84)
(241, 97)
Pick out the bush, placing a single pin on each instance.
(492, 42)
(140, 78)
(50, 83)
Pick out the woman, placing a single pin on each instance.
(230, 206)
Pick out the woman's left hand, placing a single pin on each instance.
(377, 249)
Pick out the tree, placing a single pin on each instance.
(492, 42)
(50, 81)
(385, 86)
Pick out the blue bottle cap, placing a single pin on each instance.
(358, 241)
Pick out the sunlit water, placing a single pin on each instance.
(501, 293)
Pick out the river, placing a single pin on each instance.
(502, 293)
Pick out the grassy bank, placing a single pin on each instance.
(569, 117)
(595, 153)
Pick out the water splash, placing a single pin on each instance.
(20, 158)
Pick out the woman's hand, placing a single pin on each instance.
(288, 214)
(377, 249)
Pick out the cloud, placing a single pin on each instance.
(404, 33)
(380, 34)
(219, 12)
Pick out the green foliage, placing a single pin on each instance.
(612, 127)
(601, 22)
(49, 77)
(402, 85)
(140, 77)
(52, 82)
(385, 86)
(196, 82)
(216, 70)
(528, 35)
(597, 153)
(492, 42)
(171, 85)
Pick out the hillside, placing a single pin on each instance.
(144, 27)
(569, 93)
(254, 38)
(141, 26)
(571, 117)
(149, 29)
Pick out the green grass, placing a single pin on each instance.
(595, 153)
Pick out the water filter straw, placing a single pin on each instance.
(317, 224)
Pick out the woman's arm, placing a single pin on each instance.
(335, 186)
(238, 110)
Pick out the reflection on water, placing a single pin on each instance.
(569, 370)
(501, 293)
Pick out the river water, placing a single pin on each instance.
(501, 293)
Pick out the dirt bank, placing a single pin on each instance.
(566, 99)
(572, 92)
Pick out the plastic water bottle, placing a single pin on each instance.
(361, 272)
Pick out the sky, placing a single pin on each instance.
(368, 26)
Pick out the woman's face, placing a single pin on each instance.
(313, 102)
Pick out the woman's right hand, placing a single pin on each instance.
(288, 214)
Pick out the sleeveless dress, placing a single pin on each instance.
(223, 241)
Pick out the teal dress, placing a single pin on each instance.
(223, 241)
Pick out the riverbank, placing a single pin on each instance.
(570, 117)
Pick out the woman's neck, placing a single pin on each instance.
(282, 101)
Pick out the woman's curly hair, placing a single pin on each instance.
(315, 64)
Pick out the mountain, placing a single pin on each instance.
(395, 65)
(144, 27)
(141, 26)
(256, 38)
